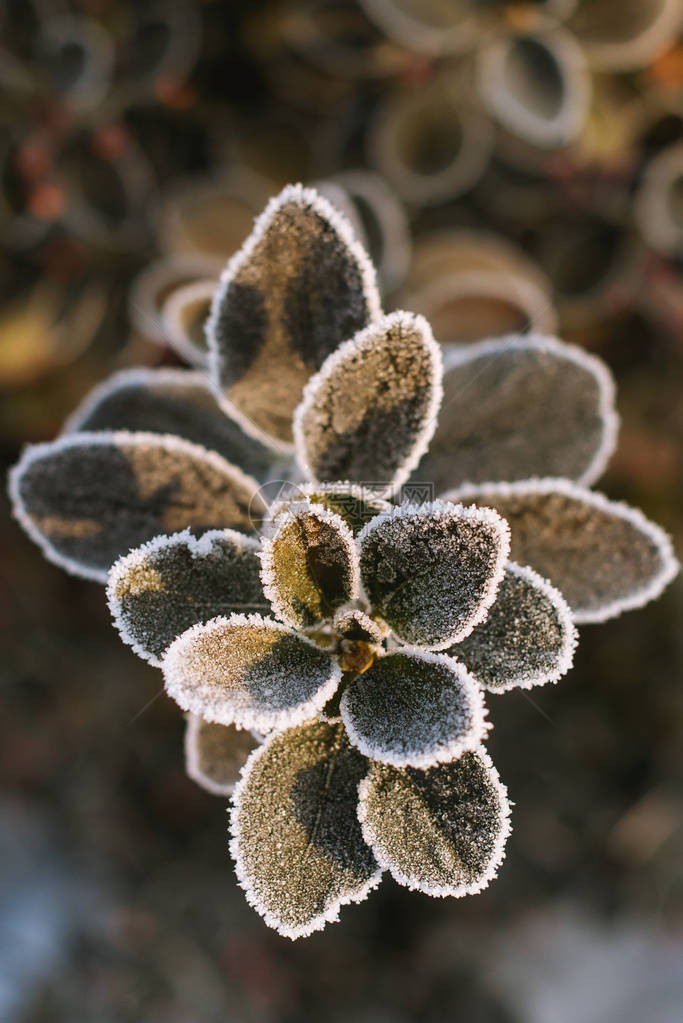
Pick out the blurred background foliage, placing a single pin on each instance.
(509, 165)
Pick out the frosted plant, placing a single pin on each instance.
(336, 646)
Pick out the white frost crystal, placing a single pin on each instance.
(394, 618)
(370, 412)
(604, 556)
(441, 831)
(431, 571)
(249, 671)
(415, 709)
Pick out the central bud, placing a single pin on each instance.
(356, 655)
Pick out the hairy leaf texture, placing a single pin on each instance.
(527, 639)
(159, 590)
(249, 671)
(431, 571)
(441, 831)
(414, 709)
(602, 555)
(298, 288)
(87, 498)
(296, 841)
(369, 414)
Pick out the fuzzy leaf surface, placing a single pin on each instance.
(431, 571)
(414, 709)
(170, 401)
(516, 408)
(161, 589)
(297, 844)
(527, 639)
(298, 288)
(215, 754)
(604, 556)
(369, 414)
(88, 498)
(249, 671)
(310, 566)
(440, 831)
(355, 505)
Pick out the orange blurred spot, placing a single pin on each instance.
(521, 17)
(418, 70)
(33, 161)
(173, 93)
(110, 142)
(46, 201)
(668, 69)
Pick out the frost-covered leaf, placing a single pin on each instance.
(298, 288)
(520, 407)
(170, 401)
(159, 590)
(431, 571)
(414, 709)
(249, 671)
(356, 505)
(87, 498)
(354, 624)
(296, 841)
(215, 754)
(309, 567)
(602, 555)
(527, 639)
(441, 831)
(369, 414)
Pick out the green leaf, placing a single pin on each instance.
(249, 671)
(527, 639)
(414, 709)
(602, 555)
(296, 841)
(170, 401)
(522, 407)
(309, 568)
(159, 590)
(215, 754)
(369, 414)
(88, 498)
(432, 571)
(441, 831)
(298, 288)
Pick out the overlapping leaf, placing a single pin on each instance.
(297, 844)
(369, 414)
(88, 498)
(215, 754)
(602, 555)
(356, 505)
(249, 671)
(309, 565)
(161, 589)
(528, 637)
(441, 831)
(414, 709)
(522, 407)
(170, 401)
(298, 288)
(432, 571)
